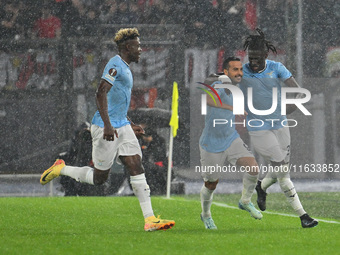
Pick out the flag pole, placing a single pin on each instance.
(168, 184)
(173, 132)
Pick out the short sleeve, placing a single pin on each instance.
(111, 73)
(283, 72)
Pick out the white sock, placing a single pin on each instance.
(249, 183)
(206, 201)
(268, 180)
(288, 189)
(142, 192)
(80, 174)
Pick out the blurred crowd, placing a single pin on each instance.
(203, 19)
(207, 24)
(206, 19)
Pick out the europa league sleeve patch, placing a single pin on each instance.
(111, 75)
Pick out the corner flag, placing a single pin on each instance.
(174, 126)
(174, 110)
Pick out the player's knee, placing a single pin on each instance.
(248, 164)
(100, 177)
(253, 168)
(276, 163)
(135, 170)
(211, 185)
(133, 164)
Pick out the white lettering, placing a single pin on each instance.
(238, 100)
(219, 122)
(255, 122)
(297, 101)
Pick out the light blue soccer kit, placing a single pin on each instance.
(116, 72)
(268, 136)
(220, 142)
(220, 137)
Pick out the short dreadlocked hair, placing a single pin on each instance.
(125, 34)
(258, 42)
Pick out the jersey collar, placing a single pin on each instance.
(265, 66)
(124, 61)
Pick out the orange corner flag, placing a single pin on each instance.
(174, 110)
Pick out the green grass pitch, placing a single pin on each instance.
(114, 225)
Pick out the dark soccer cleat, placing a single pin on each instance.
(308, 222)
(261, 196)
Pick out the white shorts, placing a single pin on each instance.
(273, 145)
(105, 152)
(238, 149)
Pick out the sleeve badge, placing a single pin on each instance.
(111, 75)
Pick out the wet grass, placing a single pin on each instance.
(316, 204)
(114, 225)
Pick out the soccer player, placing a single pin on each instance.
(221, 143)
(113, 135)
(270, 139)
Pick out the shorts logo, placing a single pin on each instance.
(100, 162)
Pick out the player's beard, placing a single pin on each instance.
(237, 79)
(136, 59)
(255, 67)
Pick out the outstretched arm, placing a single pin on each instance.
(291, 82)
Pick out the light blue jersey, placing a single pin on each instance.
(263, 83)
(118, 74)
(218, 138)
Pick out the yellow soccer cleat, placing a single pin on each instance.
(152, 224)
(52, 172)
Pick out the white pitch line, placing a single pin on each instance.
(275, 213)
(267, 212)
